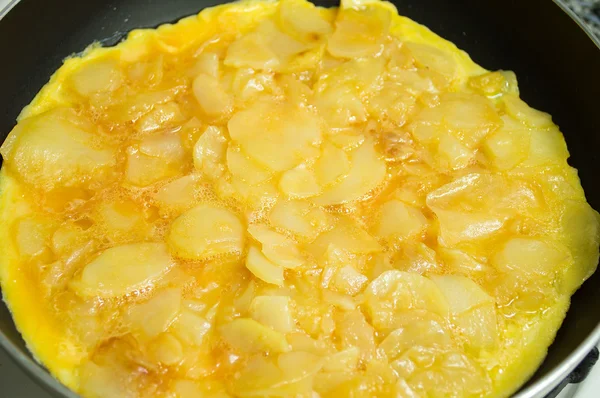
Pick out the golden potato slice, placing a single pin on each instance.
(508, 146)
(211, 95)
(191, 328)
(249, 336)
(530, 256)
(244, 168)
(209, 152)
(399, 220)
(519, 110)
(346, 236)
(331, 165)
(32, 236)
(290, 375)
(154, 316)
(359, 33)
(345, 360)
(462, 294)
(277, 247)
(166, 349)
(416, 329)
(57, 148)
(367, 172)
(349, 281)
(303, 19)
(275, 135)
(299, 183)
(160, 117)
(396, 291)
(253, 51)
(263, 268)
(299, 217)
(433, 59)
(143, 170)
(273, 311)
(177, 195)
(580, 225)
(206, 231)
(124, 269)
(479, 327)
(99, 76)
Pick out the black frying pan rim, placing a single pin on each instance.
(543, 386)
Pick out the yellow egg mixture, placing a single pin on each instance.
(274, 199)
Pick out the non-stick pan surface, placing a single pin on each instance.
(557, 64)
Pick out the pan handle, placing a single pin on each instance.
(578, 374)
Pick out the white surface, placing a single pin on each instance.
(15, 384)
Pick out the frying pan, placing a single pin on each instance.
(556, 59)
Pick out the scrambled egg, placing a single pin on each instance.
(274, 199)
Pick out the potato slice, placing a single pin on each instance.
(359, 33)
(167, 350)
(166, 146)
(206, 231)
(299, 183)
(32, 236)
(353, 330)
(249, 336)
(177, 195)
(299, 217)
(579, 224)
(160, 117)
(346, 236)
(273, 311)
(100, 76)
(469, 117)
(124, 269)
(508, 146)
(453, 153)
(416, 329)
(368, 171)
(434, 59)
(284, 46)
(462, 294)
(253, 51)
(244, 168)
(277, 247)
(57, 148)
(473, 310)
(289, 376)
(209, 152)
(547, 147)
(275, 135)
(349, 281)
(519, 110)
(154, 316)
(457, 227)
(143, 170)
(211, 95)
(530, 256)
(479, 327)
(262, 268)
(345, 360)
(396, 291)
(476, 206)
(303, 19)
(191, 328)
(399, 220)
(331, 165)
